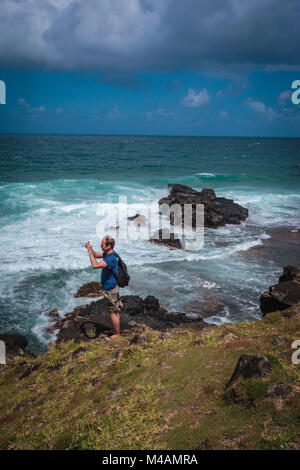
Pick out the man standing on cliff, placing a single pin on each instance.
(110, 286)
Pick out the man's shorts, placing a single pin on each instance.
(114, 303)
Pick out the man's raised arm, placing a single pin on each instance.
(95, 263)
(96, 255)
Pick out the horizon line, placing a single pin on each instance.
(151, 135)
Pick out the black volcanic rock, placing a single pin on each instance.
(251, 366)
(218, 211)
(53, 313)
(166, 238)
(138, 219)
(284, 294)
(204, 307)
(290, 273)
(14, 342)
(139, 339)
(135, 311)
(15, 345)
(91, 289)
(75, 324)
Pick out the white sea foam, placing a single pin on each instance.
(39, 330)
(209, 285)
(73, 207)
(265, 236)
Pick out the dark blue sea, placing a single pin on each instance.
(58, 191)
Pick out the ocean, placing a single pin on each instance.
(58, 191)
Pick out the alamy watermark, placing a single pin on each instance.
(2, 353)
(2, 92)
(296, 354)
(295, 97)
(178, 221)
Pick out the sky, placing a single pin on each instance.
(163, 67)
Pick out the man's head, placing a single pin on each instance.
(107, 243)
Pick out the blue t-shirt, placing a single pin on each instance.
(108, 280)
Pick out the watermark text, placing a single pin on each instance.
(2, 92)
(2, 352)
(296, 354)
(295, 97)
(178, 221)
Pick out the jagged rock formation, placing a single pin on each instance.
(251, 366)
(89, 321)
(15, 345)
(218, 211)
(91, 289)
(138, 219)
(164, 237)
(284, 294)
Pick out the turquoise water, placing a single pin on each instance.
(56, 192)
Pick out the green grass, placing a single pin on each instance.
(160, 395)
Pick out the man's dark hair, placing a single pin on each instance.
(109, 241)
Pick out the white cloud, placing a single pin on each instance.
(115, 113)
(59, 110)
(27, 106)
(39, 109)
(164, 112)
(22, 102)
(194, 99)
(261, 108)
(284, 96)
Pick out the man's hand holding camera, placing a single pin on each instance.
(89, 248)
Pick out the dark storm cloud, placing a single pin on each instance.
(150, 35)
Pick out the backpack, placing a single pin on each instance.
(123, 277)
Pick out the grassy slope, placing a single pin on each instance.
(161, 395)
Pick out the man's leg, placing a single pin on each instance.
(115, 319)
(114, 304)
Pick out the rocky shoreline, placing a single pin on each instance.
(88, 322)
(282, 247)
(284, 294)
(92, 321)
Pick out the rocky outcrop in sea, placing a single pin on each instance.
(218, 211)
(166, 238)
